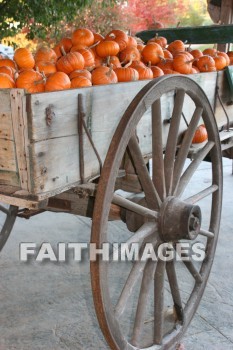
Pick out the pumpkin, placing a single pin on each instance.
(167, 54)
(46, 67)
(156, 25)
(169, 71)
(80, 82)
(157, 72)
(98, 37)
(220, 62)
(45, 54)
(131, 41)
(196, 53)
(70, 62)
(99, 61)
(80, 72)
(144, 72)
(129, 54)
(176, 45)
(140, 47)
(57, 81)
(210, 51)
(161, 40)
(66, 43)
(107, 48)
(8, 70)
(83, 36)
(7, 62)
(6, 82)
(152, 52)
(89, 58)
(114, 62)
(118, 36)
(24, 58)
(223, 54)
(195, 70)
(30, 80)
(182, 64)
(165, 64)
(103, 75)
(206, 63)
(126, 74)
(200, 134)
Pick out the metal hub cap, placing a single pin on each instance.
(179, 220)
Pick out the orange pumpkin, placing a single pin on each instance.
(140, 47)
(119, 36)
(24, 58)
(30, 80)
(167, 54)
(107, 48)
(200, 134)
(152, 52)
(83, 36)
(57, 81)
(45, 54)
(157, 72)
(210, 51)
(98, 37)
(161, 40)
(176, 45)
(129, 54)
(114, 62)
(165, 64)
(89, 58)
(70, 62)
(103, 75)
(126, 74)
(182, 64)
(144, 72)
(206, 63)
(8, 70)
(131, 41)
(7, 62)
(223, 54)
(229, 54)
(6, 82)
(220, 62)
(46, 67)
(80, 72)
(80, 82)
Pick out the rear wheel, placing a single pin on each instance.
(149, 304)
(7, 219)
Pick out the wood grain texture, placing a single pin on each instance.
(19, 121)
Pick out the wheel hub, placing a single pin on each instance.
(179, 220)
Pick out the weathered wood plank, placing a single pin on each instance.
(7, 156)
(106, 102)
(6, 131)
(19, 121)
(9, 178)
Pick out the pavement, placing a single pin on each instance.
(48, 305)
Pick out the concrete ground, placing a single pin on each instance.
(48, 306)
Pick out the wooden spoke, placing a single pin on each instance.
(191, 268)
(186, 143)
(146, 230)
(4, 210)
(186, 177)
(172, 279)
(127, 291)
(172, 139)
(157, 150)
(206, 233)
(142, 301)
(151, 194)
(159, 301)
(202, 194)
(139, 209)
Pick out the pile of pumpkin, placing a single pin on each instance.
(88, 58)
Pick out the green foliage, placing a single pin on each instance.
(38, 17)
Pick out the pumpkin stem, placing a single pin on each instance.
(63, 50)
(108, 61)
(94, 45)
(149, 64)
(110, 70)
(112, 35)
(128, 64)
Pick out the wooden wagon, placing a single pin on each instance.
(124, 152)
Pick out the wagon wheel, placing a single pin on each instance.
(7, 220)
(157, 299)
